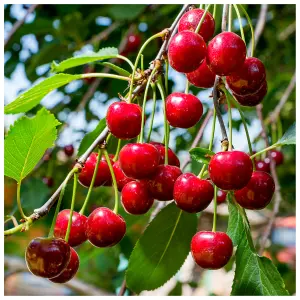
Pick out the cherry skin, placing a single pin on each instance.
(226, 53)
(190, 20)
(124, 120)
(48, 181)
(133, 43)
(186, 51)
(136, 198)
(69, 150)
(211, 250)
(221, 196)
(191, 193)
(203, 77)
(278, 157)
(103, 175)
(47, 257)
(249, 78)
(121, 178)
(161, 183)
(183, 110)
(172, 157)
(258, 193)
(70, 271)
(104, 228)
(261, 165)
(77, 233)
(230, 170)
(139, 160)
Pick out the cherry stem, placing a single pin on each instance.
(215, 10)
(240, 22)
(153, 112)
(230, 18)
(92, 182)
(19, 201)
(202, 171)
(215, 209)
(114, 181)
(273, 133)
(72, 206)
(202, 18)
(118, 150)
(126, 59)
(105, 75)
(142, 62)
(230, 124)
(201, 6)
(224, 17)
(187, 86)
(167, 76)
(264, 150)
(279, 127)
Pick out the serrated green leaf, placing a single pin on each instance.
(26, 143)
(117, 69)
(90, 137)
(201, 155)
(126, 11)
(289, 137)
(34, 95)
(89, 57)
(254, 275)
(161, 250)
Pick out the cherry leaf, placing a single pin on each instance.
(289, 137)
(201, 155)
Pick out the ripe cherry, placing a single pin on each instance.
(70, 271)
(191, 193)
(133, 43)
(230, 170)
(124, 120)
(77, 233)
(211, 250)
(161, 183)
(136, 198)
(103, 175)
(48, 181)
(190, 20)
(121, 178)
(186, 51)
(69, 150)
(203, 77)
(47, 257)
(249, 78)
(221, 196)
(172, 157)
(104, 228)
(183, 110)
(278, 157)
(258, 193)
(139, 160)
(226, 53)
(261, 165)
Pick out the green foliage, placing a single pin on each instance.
(289, 137)
(201, 155)
(26, 143)
(161, 250)
(117, 69)
(126, 11)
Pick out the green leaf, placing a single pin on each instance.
(161, 250)
(126, 11)
(26, 143)
(90, 137)
(289, 138)
(103, 53)
(254, 275)
(34, 95)
(201, 155)
(117, 69)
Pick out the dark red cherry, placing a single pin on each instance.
(203, 77)
(133, 43)
(104, 228)
(278, 157)
(221, 196)
(70, 271)
(191, 193)
(258, 193)
(69, 150)
(161, 183)
(186, 51)
(47, 156)
(230, 170)
(86, 70)
(226, 53)
(47, 257)
(139, 160)
(172, 157)
(103, 175)
(48, 181)
(249, 78)
(77, 233)
(190, 20)
(261, 165)
(121, 178)
(183, 110)
(211, 250)
(124, 120)
(136, 198)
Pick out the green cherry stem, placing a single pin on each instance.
(201, 6)
(142, 62)
(105, 75)
(264, 150)
(202, 18)
(279, 128)
(215, 209)
(19, 201)
(187, 86)
(153, 112)
(230, 124)
(166, 61)
(214, 11)
(126, 59)
(273, 133)
(240, 22)
(118, 150)
(230, 18)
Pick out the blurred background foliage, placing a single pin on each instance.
(57, 32)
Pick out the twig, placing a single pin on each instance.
(123, 288)
(283, 35)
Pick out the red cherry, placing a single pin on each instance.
(230, 170)
(70, 271)
(104, 228)
(77, 233)
(47, 257)
(258, 193)
(226, 53)
(172, 157)
(261, 165)
(191, 193)
(139, 160)
(161, 184)
(48, 181)
(86, 70)
(136, 199)
(278, 157)
(190, 20)
(124, 120)
(211, 250)
(69, 150)
(133, 43)
(183, 110)
(221, 196)
(203, 77)
(121, 178)
(103, 175)
(47, 156)
(186, 51)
